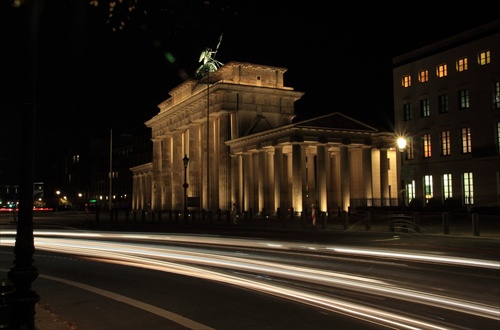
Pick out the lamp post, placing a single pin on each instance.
(401, 141)
(185, 160)
(21, 302)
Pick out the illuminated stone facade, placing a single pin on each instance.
(248, 151)
(451, 119)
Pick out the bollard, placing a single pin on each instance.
(475, 224)
(391, 223)
(323, 222)
(6, 288)
(446, 223)
(346, 220)
(416, 222)
(368, 224)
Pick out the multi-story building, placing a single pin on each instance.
(98, 170)
(447, 107)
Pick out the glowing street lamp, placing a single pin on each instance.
(401, 144)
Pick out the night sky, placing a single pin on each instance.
(90, 79)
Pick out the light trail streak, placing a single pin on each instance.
(289, 246)
(168, 259)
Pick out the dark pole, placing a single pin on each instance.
(208, 140)
(401, 141)
(23, 300)
(185, 160)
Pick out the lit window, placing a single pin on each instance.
(498, 138)
(423, 76)
(426, 143)
(447, 186)
(445, 143)
(463, 99)
(409, 148)
(442, 70)
(467, 183)
(462, 64)
(443, 103)
(407, 111)
(425, 110)
(483, 57)
(466, 141)
(406, 81)
(410, 191)
(428, 187)
(496, 95)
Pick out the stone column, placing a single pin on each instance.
(303, 171)
(224, 162)
(255, 181)
(235, 179)
(384, 178)
(261, 179)
(214, 163)
(178, 172)
(140, 192)
(345, 190)
(321, 176)
(195, 164)
(166, 191)
(212, 168)
(297, 177)
(269, 182)
(310, 170)
(241, 184)
(248, 177)
(157, 174)
(278, 177)
(367, 175)
(133, 191)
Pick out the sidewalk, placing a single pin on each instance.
(46, 319)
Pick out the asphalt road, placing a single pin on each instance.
(57, 308)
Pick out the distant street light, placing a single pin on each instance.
(185, 160)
